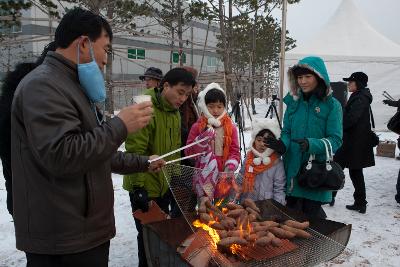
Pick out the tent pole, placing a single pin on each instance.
(282, 58)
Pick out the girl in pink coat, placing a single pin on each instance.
(221, 149)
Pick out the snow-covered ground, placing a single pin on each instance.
(375, 238)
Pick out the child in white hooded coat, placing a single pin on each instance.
(263, 175)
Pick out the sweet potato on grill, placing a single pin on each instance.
(233, 206)
(235, 213)
(217, 226)
(282, 233)
(250, 203)
(226, 242)
(222, 233)
(260, 228)
(269, 223)
(297, 225)
(265, 240)
(205, 218)
(297, 232)
(228, 223)
(276, 242)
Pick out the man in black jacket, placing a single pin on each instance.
(62, 155)
(396, 104)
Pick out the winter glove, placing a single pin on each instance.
(303, 143)
(391, 103)
(141, 199)
(275, 144)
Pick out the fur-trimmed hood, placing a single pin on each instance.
(316, 65)
(201, 103)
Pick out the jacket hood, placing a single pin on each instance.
(257, 126)
(265, 124)
(366, 92)
(201, 103)
(316, 65)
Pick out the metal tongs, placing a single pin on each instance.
(180, 149)
(388, 96)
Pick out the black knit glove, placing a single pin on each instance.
(275, 144)
(303, 143)
(391, 103)
(141, 199)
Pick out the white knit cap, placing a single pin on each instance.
(201, 103)
(257, 126)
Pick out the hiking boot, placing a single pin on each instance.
(360, 208)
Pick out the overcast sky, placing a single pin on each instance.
(307, 17)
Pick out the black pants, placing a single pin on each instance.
(357, 178)
(164, 203)
(398, 188)
(310, 208)
(95, 257)
(8, 177)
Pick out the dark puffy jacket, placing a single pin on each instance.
(356, 151)
(62, 162)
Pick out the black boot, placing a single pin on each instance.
(397, 197)
(360, 208)
(332, 202)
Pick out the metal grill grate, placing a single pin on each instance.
(310, 252)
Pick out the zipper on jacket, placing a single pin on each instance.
(291, 185)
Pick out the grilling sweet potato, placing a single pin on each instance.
(250, 203)
(226, 242)
(297, 232)
(205, 218)
(265, 240)
(233, 206)
(297, 225)
(282, 233)
(235, 213)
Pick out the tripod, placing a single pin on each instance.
(239, 121)
(272, 109)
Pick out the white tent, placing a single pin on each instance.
(348, 43)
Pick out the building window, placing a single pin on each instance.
(211, 61)
(175, 57)
(136, 53)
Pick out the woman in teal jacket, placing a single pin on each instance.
(311, 114)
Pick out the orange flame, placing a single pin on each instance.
(235, 249)
(249, 228)
(212, 232)
(219, 203)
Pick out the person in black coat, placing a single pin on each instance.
(10, 83)
(357, 152)
(396, 104)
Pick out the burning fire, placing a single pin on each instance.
(212, 232)
(244, 227)
(219, 202)
(235, 249)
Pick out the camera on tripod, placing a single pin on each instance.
(274, 97)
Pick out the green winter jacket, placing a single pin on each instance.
(160, 136)
(313, 119)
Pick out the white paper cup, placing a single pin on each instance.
(141, 98)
